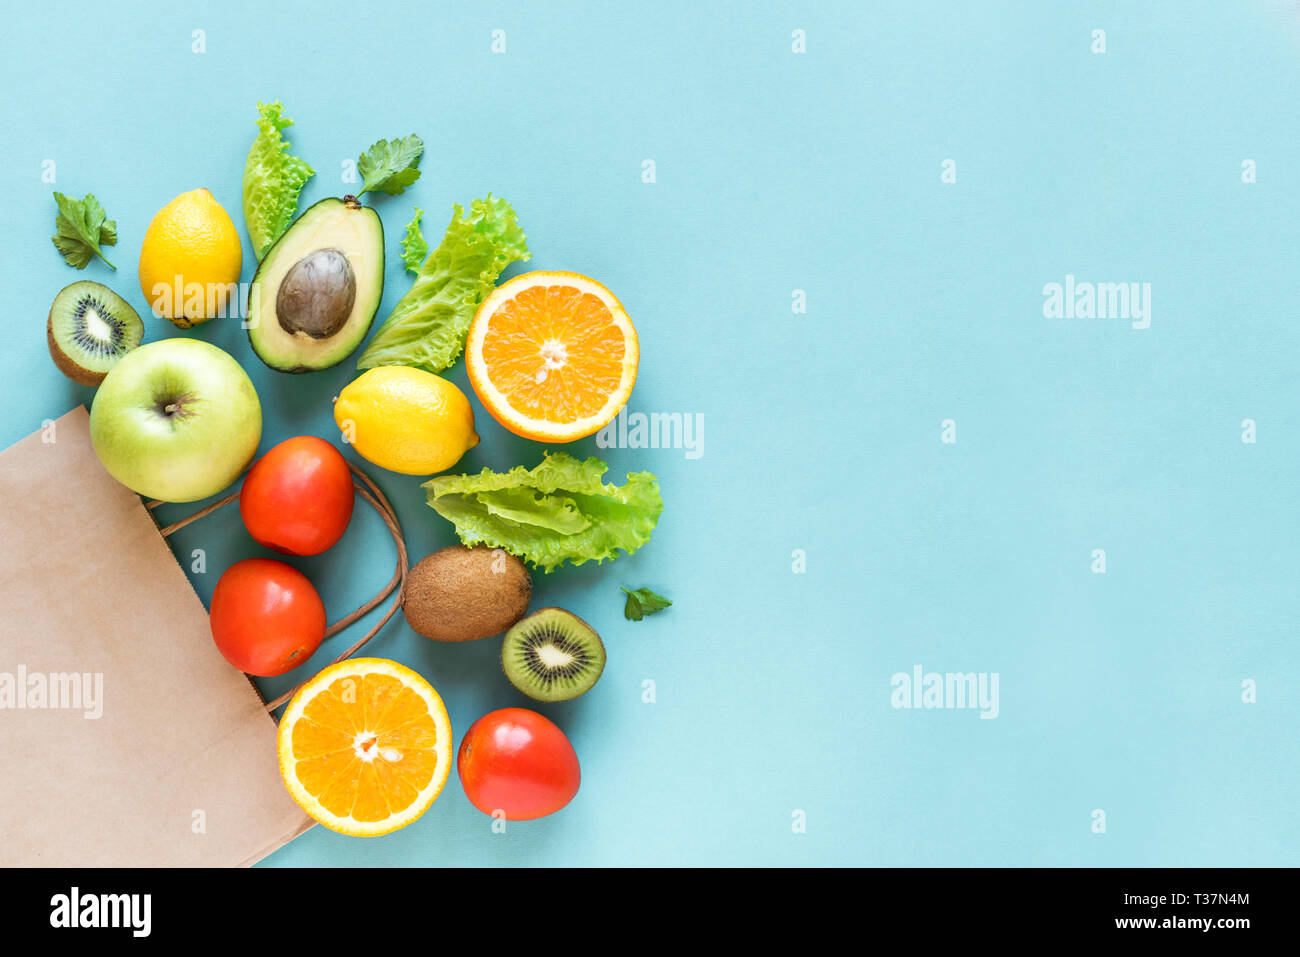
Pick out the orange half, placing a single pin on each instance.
(365, 746)
(552, 355)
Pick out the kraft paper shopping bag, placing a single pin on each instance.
(127, 739)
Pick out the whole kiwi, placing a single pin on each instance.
(462, 594)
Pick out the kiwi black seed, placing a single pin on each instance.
(552, 655)
(89, 329)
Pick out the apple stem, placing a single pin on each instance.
(173, 407)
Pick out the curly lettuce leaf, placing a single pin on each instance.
(427, 327)
(414, 246)
(558, 511)
(272, 180)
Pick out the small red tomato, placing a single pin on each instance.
(266, 617)
(298, 498)
(518, 762)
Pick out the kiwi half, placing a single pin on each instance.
(552, 655)
(89, 329)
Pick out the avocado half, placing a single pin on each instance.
(318, 287)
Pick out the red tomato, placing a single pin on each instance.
(516, 761)
(298, 498)
(266, 617)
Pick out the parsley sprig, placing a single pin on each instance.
(390, 167)
(643, 602)
(82, 228)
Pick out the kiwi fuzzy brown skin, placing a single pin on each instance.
(65, 363)
(455, 594)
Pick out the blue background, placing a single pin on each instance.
(779, 171)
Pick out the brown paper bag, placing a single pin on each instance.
(127, 739)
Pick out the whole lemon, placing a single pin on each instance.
(190, 260)
(406, 420)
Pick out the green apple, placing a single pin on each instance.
(176, 420)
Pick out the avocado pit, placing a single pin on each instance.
(317, 294)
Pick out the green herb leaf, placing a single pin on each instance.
(390, 167)
(107, 234)
(272, 180)
(643, 602)
(414, 246)
(427, 327)
(81, 228)
(559, 511)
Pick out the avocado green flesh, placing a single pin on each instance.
(293, 343)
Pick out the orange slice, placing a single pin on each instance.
(552, 355)
(365, 746)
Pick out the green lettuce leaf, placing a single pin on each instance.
(272, 180)
(427, 327)
(558, 511)
(414, 245)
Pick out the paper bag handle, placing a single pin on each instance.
(369, 491)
